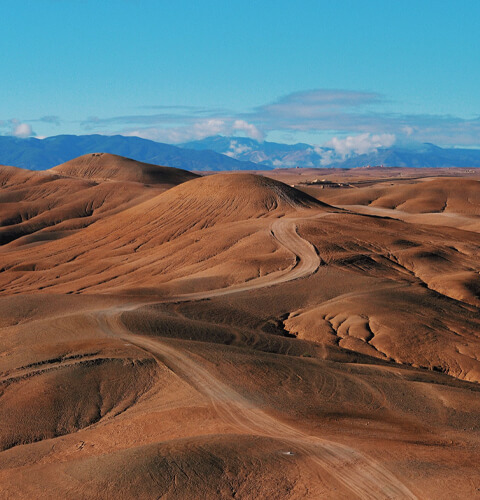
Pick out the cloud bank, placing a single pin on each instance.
(356, 120)
(197, 130)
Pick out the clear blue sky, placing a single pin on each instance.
(281, 70)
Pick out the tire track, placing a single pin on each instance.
(364, 477)
(361, 475)
(284, 231)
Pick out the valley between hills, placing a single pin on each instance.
(293, 333)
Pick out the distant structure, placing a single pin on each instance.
(323, 183)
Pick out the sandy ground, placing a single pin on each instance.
(165, 336)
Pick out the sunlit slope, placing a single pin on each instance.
(104, 166)
(41, 206)
(216, 228)
(442, 195)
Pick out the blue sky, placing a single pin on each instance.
(312, 71)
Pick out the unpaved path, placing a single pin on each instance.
(284, 231)
(361, 475)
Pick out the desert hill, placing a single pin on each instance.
(14, 176)
(447, 195)
(447, 201)
(37, 206)
(193, 340)
(155, 235)
(236, 195)
(104, 166)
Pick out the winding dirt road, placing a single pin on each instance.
(306, 263)
(361, 475)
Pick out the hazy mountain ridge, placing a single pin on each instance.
(270, 154)
(425, 155)
(220, 153)
(42, 154)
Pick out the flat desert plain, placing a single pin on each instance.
(286, 334)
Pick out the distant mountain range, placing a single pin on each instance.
(267, 154)
(42, 154)
(271, 154)
(219, 153)
(417, 155)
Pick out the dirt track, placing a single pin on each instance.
(284, 231)
(361, 475)
(364, 477)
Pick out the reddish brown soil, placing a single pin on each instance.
(166, 336)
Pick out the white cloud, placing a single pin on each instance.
(173, 135)
(206, 128)
(197, 130)
(16, 128)
(159, 134)
(408, 130)
(235, 149)
(327, 155)
(249, 129)
(330, 112)
(360, 144)
(22, 130)
(350, 112)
